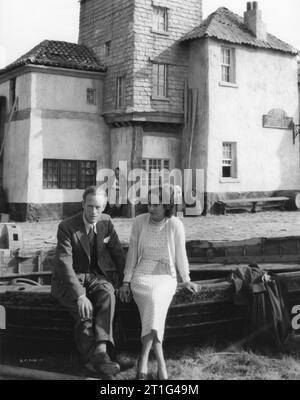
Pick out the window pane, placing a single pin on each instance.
(87, 174)
(91, 96)
(68, 174)
(50, 174)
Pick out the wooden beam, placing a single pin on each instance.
(35, 374)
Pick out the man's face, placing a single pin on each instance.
(93, 207)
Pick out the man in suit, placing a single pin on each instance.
(89, 264)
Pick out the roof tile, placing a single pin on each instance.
(223, 24)
(59, 54)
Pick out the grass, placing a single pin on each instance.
(210, 361)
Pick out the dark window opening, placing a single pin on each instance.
(68, 174)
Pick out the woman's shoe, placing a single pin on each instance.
(141, 376)
(161, 379)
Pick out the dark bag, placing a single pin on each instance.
(267, 321)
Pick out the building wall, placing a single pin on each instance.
(159, 147)
(194, 146)
(150, 46)
(64, 126)
(267, 160)
(16, 150)
(128, 24)
(53, 120)
(110, 20)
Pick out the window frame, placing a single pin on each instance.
(160, 91)
(230, 161)
(91, 96)
(160, 14)
(230, 65)
(66, 180)
(107, 48)
(148, 165)
(120, 92)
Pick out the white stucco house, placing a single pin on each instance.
(158, 87)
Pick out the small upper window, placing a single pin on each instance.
(107, 46)
(120, 92)
(91, 96)
(160, 19)
(228, 64)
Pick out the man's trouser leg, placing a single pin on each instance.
(88, 332)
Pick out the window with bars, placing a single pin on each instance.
(120, 95)
(160, 80)
(68, 174)
(229, 163)
(107, 46)
(160, 19)
(228, 64)
(91, 96)
(152, 168)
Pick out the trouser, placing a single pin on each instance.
(100, 329)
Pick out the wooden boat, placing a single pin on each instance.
(31, 312)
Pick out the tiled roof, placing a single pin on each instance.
(59, 54)
(223, 24)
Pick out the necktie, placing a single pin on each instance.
(91, 236)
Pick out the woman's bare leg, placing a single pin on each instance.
(161, 364)
(147, 342)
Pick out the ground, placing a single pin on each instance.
(41, 235)
(210, 360)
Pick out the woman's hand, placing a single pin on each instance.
(192, 287)
(125, 293)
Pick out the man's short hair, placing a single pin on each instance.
(94, 190)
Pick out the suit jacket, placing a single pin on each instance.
(72, 257)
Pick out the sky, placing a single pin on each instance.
(25, 23)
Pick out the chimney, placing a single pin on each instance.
(253, 21)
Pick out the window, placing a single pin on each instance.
(91, 96)
(228, 65)
(68, 174)
(153, 167)
(12, 91)
(107, 46)
(120, 92)
(50, 174)
(229, 164)
(160, 19)
(160, 80)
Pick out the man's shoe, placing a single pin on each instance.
(102, 364)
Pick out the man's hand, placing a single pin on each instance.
(125, 293)
(85, 308)
(192, 287)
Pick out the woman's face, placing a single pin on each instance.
(156, 211)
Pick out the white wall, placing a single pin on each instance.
(15, 165)
(61, 125)
(162, 147)
(267, 159)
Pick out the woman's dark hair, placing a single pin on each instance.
(165, 195)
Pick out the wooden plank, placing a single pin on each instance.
(228, 268)
(245, 259)
(255, 200)
(34, 374)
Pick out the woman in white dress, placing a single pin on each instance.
(156, 250)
